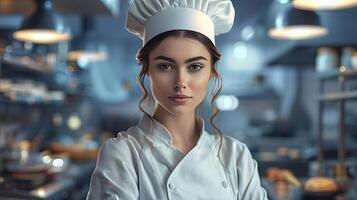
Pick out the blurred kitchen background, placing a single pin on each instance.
(289, 92)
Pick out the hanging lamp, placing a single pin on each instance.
(324, 4)
(291, 23)
(44, 26)
(85, 50)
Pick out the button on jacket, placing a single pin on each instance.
(142, 163)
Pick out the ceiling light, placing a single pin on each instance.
(294, 24)
(298, 32)
(84, 51)
(43, 26)
(91, 56)
(324, 4)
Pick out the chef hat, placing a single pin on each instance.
(149, 18)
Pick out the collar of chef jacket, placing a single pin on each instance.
(159, 132)
(160, 138)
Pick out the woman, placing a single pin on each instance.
(169, 155)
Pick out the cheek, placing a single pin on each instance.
(199, 86)
(159, 84)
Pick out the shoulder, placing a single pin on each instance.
(235, 148)
(229, 144)
(234, 144)
(232, 151)
(125, 145)
(116, 171)
(130, 137)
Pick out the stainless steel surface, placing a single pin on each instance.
(342, 96)
(320, 130)
(341, 143)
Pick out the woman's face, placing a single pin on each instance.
(179, 71)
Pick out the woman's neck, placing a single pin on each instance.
(183, 128)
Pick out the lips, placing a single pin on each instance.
(180, 96)
(180, 99)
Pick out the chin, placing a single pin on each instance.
(179, 110)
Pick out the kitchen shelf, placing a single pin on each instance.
(17, 71)
(13, 70)
(338, 96)
(22, 68)
(258, 93)
(332, 75)
(29, 102)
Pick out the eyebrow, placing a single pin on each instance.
(173, 61)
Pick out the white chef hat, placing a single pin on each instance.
(149, 18)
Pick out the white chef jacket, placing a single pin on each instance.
(142, 163)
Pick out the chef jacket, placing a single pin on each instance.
(142, 163)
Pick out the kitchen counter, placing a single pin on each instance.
(72, 184)
(287, 192)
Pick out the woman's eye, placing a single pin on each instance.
(165, 67)
(195, 67)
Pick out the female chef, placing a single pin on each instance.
(169, 155)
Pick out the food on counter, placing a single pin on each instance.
(82, 149)
(279, 175)
(320, 184)
(274, 174)
(320, 188)
(281, 190)
(75, 151)
(291, 178)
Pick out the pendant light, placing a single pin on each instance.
(324, 4)
(44, 26)
(86, 50)
(84, 57)
(291, 23)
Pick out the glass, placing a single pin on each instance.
(347, 57)
(326, 60)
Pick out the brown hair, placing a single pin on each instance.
(143, 58)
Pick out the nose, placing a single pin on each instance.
(180, 82)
